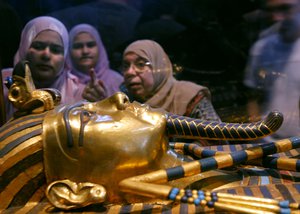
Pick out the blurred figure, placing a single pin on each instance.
(44, 43)
(89, 61)
(278, 11)
(148, 77)
(273, 71)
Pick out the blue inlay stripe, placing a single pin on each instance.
(249, 132)
(208, 164)
(220, 148)
(147, 209)
(248, 191)
(23, 119)
(242, 133)
(265, 130)
(201, 131)
(193, 128)
(20, 128)
(270, 162)
(269, 149)
(126, 209)
(18, 141)
(232, 191)
(232, 148)
(265, 191)
(226, 133)
(234, 133)
(295, 142)
(186, 148)
(264, 180)
(298, 165)
(178, 127)
(239, 156)
(297, 187)
(257, 132)
(218, 132)
(208, 153)
(175, 173)
(285, 192)
(186, 128)
(211, 132)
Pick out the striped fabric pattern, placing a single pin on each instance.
(22, 179)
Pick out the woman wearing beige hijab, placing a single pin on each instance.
(148, 75)
(148, 78)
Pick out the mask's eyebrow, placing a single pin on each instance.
(83, 122)
(66, 118)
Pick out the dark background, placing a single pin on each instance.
(209, 39)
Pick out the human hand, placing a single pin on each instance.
(95, 89)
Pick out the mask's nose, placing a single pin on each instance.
(121, 100)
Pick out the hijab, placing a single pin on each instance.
(30, 31)
(110, 78)
(168, 93)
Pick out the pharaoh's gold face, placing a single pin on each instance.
(103, 142)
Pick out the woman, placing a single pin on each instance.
(88, 60)
(148, 78)
(44, 43)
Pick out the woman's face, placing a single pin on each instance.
(138, 76)
(84, 52)
(46, 56)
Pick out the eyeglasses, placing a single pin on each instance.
(79, 45)
(54, 48)
(139, 65)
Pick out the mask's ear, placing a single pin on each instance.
(65, 194)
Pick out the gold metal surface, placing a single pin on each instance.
(25, 97)
(66, 194)
(113, 151)
(120, 140)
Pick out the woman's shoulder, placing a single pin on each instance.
(192, 88)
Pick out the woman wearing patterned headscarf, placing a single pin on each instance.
(44, 43)
(88, 60)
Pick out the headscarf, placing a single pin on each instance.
(111, 79)
(168, 93)
(31, 30)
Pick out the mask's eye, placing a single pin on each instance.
(85, 116)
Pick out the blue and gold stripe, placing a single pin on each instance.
(179, 126)
(21, 161)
